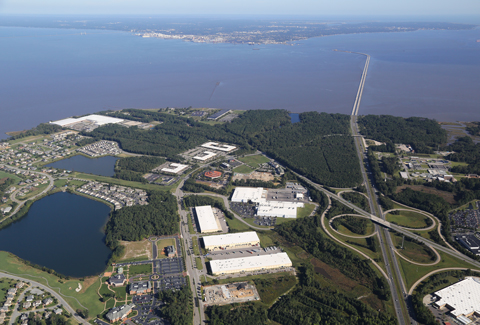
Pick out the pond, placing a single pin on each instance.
(63, 232)
(295, 117)
(104, 166)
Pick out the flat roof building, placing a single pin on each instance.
(140, 288)
(245, 194)
(231, 241)
(206, 219)
(249, 264)
(471, 242)
(219, 114)
(174, 168)
(217, 146)
(205, 155)
(97, 119)
(278, 209)
(117, 313)
(461, 298)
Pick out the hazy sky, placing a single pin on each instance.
(298, 7)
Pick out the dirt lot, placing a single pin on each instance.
(255, 175)
(137, 249)
(449, 197)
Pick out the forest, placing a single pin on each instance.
(354, 224)
(319, 146)
(134, 223)
(142, 164)
(474, 128)
(237, 314)
(178, 308)
(357, 199)
(421, 133)
(465, 150)
(41, 129)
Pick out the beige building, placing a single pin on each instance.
(231, 241)
(250, 264)
(206, 219)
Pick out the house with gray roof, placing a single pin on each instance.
(117, 280)
(140, 288)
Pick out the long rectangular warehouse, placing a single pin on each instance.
(206, 219)
(231, 241)
(248, 264)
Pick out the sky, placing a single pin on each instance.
(244, 7)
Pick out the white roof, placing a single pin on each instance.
(463, 296)
(244, 263)
(205, 155)
(231, 239)
(278, 209)
(98, 119)
(177, 168)
(206, 219)
(216, 146)
(243, 194)
(404, 174)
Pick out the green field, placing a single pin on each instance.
(344, 230)
(198, 262)
(243, 169)
(139, 269)
(236, 224)
(265, 239)
(88, 297)
(415, 252)
(60, 182)
(8, 175)
(305, 211)
(254, 161)
(408, 219)
(190, 225)
(196, 250)
(35, 191)
(123, 182)
(271, 288)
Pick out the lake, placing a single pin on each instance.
(103, 166)
(425, 73)
(63, 232)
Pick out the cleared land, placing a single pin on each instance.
(137, 249)
(408, 219)
(254, 161)
(449, 197)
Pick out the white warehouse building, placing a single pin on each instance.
(231, 241)
(220, 147)
(249, 264)
(174, 168)
(462, 299)
(206, 219)
(97, 119)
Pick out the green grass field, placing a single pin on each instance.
(123, 182)
(344, 230)
(190, 225)
(415, 252)
(198, 262)
(120, 292)
(254, 161)
(408, 219)
(135, 259)
(243, 169)
(196, 250)
(305, 211)
(271, 288)
(8, 175)
(236, 224)
(60, 182)
(88, 297)
(139, 269)
(265, 239)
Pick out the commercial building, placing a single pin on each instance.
(250, 264)
(278, 209)
(140, 288)
(231, 241)
(118, 313)
(117, 280)
(213, 174)
(462, 299)
(96, 119)
(245, 194)
(219, 114)
(170, 251)
(470, 242)
(217, 146)
(174, 168)
(206, 219)
(205, 155)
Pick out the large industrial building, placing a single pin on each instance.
(205, 155)
(206, 219)
(471, 242)
(220, 147)
(267, 208)
(96, 119)
(231, 241)
(174, 168)
(250, 264)
(462, 299)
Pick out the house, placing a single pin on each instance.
(27, 305)
(12, 291)
(47, 301)
(37, 303)
(117, 280)
(19, 285)
(58, 311)
(170, 251)
(30, 298)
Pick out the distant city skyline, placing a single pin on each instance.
(245, 7)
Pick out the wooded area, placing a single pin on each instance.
(178, 308)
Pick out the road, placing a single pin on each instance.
(55, 294)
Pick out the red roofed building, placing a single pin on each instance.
(213, 174)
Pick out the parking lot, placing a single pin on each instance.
(245, 210)
(265, 221)
(167, 266)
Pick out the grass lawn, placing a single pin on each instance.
(415, 252)
(8, 175)
(265, 239)
(5, 284)
(271, 288)
(88, 296)
(60, 182)
(236, 224)
(198, 262)
(104, 288)
(344, 230)
(408, 219)
(76, 183)
(254, 161)
(110, 304)
(139, 269)
(135, 259)
(122, 182)
(120, 292)
(161, 244)
(35, 191)
(243, 169)
(196, 250)
(305, 211)
(190, 225)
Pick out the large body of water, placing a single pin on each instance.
(49, 74)
(104, 166)
(63, 232)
